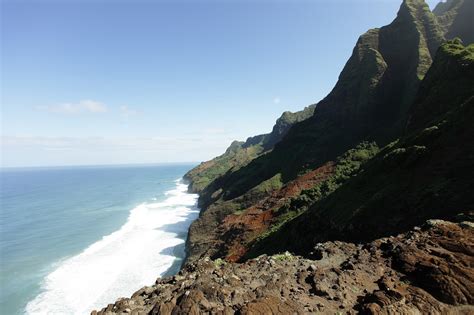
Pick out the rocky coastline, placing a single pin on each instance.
(361, 203)
(428, 269)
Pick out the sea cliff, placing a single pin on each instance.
(403, 274)
(361, 202)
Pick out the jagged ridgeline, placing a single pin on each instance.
(322, 175)
(455, 18)
(240, 153)
(427, 173)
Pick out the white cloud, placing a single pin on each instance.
(276, 100)
(84, 106)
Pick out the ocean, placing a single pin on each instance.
(73, 239)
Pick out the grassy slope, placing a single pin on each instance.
(425, 174)
(346, 166)
(240, 154)
(369, 102)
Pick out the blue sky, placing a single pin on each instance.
(113, 82)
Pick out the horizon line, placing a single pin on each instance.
(2, 167)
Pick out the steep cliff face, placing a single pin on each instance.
(424, 174)
(455, 18)
(390, 147)
(241, 153)
(447, 85)
(370, 102)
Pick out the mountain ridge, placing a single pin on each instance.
(241, 152)
(454, 17)
(349, 209)
(407, 182)
(376, 79)
(370, 102)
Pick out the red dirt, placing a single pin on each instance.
(255, 220)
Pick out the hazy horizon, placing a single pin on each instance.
(99, 165)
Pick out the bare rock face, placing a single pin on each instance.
(427, 270)
(444, 268)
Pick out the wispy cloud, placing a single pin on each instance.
(276, 100)
(84, 106)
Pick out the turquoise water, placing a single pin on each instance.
(76, 238)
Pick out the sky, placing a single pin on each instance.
(119, 82)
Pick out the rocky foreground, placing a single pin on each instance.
(427, 270)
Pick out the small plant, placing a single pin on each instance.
(282, 257)
(219, 262)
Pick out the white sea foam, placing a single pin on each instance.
(122, 262)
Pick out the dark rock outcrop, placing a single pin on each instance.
(424, 174)
(455, 18)
(427, 270)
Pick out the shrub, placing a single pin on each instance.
(284, 256)
(219, 262)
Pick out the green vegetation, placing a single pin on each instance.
(347, 166)
(284, 123)
(452, 70)
(269, 185)
(455, 19)
(422, 175)
(219, 262)
(370, 101)
(286, 256)
(401, 90)
(240, 154)
(235, 157)
(455, 48)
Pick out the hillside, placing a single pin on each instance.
(241, 153)
(369, 102)
(455, 18)
(370, 105)
(344, 207)
(424, 174)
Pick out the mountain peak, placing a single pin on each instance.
(455, 19)
(313, 186)
(443, 7)
(418, 14)
(413, 7)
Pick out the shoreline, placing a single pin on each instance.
(150, 244)
(188, 182)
